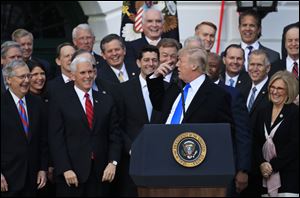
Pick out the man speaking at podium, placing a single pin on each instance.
(201, 99)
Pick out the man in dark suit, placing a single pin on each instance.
(242, 139)
(291, 45)
(256, 98)
(25, 39)
(234, 75)
(152, 24)
(136, 108)
(23, 138)
(205, 102)
(250, 30)
(64, 54)
(116, 68)
(84, 38)
(84, 135)
(285, 29)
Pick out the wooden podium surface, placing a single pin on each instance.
(181, 192)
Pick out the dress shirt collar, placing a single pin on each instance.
(65, 78)
(255, 46)
(16, 99)
(142, 81)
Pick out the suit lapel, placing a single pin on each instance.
(13, 108)
(261, 95)
(77, 106)
(198, 99)
(140, 99)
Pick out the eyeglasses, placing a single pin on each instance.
(24, 76)
(278, 89)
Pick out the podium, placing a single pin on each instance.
(155, 171)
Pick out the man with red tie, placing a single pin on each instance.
(23, 138)
(84, 135)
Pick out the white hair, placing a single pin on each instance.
(77, 60)
(83, 26)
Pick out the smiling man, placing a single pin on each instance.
(84, 135)
(115, 69)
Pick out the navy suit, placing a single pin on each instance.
(22, 157)
(243, 137)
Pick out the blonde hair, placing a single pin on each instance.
(291, 83)
(196, 55)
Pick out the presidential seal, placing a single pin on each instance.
(189, 149)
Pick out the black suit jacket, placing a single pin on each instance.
(72, 141)
(286, 141)
(273, 56)
(105, 72)
(211, 104)
(133, 49)
(99, 60)
(22, 156)
(3, 88)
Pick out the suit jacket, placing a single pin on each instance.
(134, 111)
(105, 72)
(54, 85)
(99, 60)
(286, 141)
(273, 56)
(133, 49)
(72, 141)
(242, 141)
(260, 101)
(3, 88)
(22, 156)
(211, 104)
(243, 81)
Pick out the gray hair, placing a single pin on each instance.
(258, 53)
(8, 45)
(189, 40)
(83, 26)
(76, 61)
(9, 69)
(19, 33)
(151, 9)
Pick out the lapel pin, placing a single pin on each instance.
(239, 81)
(133, 73)
(281, 116)
(104, 92)
(96, 101)
(263, 92)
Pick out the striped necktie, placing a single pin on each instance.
(23, 117)
(121, 77)
(252, 98)
(89, 110)
(295, 69)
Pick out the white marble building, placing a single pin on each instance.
(105, 18)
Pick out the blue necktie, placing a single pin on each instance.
(231, 82)
(252, 98)
(178, 111)
(23, 117)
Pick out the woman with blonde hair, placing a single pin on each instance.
(276, 138)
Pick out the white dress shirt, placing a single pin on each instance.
(195, 85)
(255, 46)
(259, 86)
(145, 91)
(124, 72)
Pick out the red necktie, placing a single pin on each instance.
(295, 69)
(89, 110)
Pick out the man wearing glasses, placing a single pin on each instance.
(23, 138)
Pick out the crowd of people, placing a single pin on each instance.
(69, 131)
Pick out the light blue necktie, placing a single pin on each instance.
(252, 98)
(231, 82)
(178, 111)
